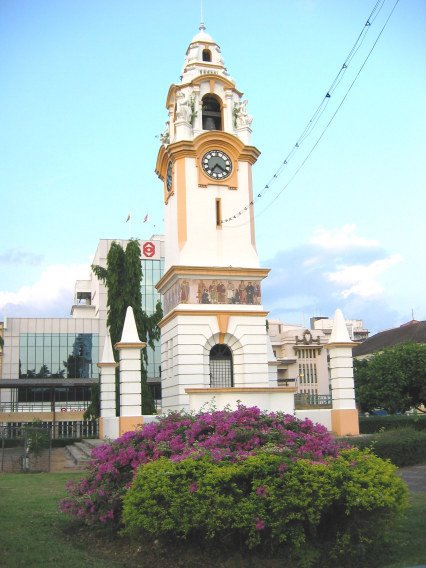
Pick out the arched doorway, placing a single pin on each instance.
(221, 367)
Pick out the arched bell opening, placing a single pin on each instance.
(221, 367)
(207, 55)
(212, 113)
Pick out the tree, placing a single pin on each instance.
(394, 379)
(123, 279)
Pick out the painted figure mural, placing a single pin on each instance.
(212, 292)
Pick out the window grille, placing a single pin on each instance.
(221, 368)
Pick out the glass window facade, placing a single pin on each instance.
(58, 355)
(152, 271)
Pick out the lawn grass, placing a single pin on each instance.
(407, 542)
(34, 534)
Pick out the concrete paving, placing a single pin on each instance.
(415, 477)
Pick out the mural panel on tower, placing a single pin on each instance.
(205, 291)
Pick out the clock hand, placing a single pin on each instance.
(217, 166)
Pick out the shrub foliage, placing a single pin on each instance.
(403, 446)
(243, 478)
(309, 510)
(372, 424)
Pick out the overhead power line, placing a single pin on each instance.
(311, 124)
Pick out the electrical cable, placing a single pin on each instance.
(310, 126)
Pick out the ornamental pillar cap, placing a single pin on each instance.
(107, 355)
(130, 336)
(339, 334)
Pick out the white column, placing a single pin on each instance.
(130, 375)
(344, 415)
(108, 422)
(130, 381)
(107, 382)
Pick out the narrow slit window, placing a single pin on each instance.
(218, 214)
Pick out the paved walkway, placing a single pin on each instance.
(415, 477)
(61, 462)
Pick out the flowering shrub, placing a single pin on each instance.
(220, 435)
(314, 513)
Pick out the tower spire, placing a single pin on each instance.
(202, 26)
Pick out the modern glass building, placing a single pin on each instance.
(91, 297)
(59, 356)
(152, 271)
(48, 353)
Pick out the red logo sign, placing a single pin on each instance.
(148, 249)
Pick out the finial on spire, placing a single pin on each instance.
(202, 26)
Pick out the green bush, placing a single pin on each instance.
(313, 513)
(403, 447)
(373, 424)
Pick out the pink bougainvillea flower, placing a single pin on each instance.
(230, 435)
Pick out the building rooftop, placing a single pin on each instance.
(413, 331)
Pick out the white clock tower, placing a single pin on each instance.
(213, 335)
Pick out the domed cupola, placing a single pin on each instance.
(203, 56)
(206, 99)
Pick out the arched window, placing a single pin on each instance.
(212, 114)
(221, 368)
(207, 56)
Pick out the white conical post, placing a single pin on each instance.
(108, 421)
(344, 415)
(130, 375)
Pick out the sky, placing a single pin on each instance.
(83, 87)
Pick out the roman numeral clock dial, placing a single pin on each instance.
(216, 164)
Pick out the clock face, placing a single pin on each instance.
(216, 164)
(169, 177)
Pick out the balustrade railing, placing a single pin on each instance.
(317, 400)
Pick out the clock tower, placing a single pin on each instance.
(214, 340)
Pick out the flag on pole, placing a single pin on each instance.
(128, 217)
(145, 219)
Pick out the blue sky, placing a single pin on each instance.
(82, 102)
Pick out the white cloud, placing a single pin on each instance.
(342, 238)
(50, 292)
(362, 280)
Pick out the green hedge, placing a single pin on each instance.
(403, 446)
(373, 424)
(312, 514)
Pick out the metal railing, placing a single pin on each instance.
(302, 400)
(57, 430)
(43, 406)
(25, 448)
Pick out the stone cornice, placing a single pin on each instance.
(135, 345)
(241, 389)
(343, 344)
(214, 312)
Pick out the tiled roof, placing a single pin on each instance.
(413, 331)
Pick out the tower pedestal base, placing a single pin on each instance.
(266, 398)
(108, 428)
(129, 423)
(345, 422)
